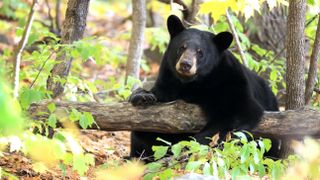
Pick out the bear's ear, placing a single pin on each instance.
(223, 40)
(174, 25)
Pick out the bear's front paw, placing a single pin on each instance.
(141, 97)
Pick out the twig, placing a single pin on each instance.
(182, 160)
(58, 14)
(313, 69)
(42, 67)
(49, 15)
(235, 35)
(21, 46)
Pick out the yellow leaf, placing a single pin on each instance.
(40, 167)
(42, 149)
(129, 171)
(214, 139)
(218, 8)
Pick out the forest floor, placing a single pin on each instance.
(105, 146)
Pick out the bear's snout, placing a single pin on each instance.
(187, 63)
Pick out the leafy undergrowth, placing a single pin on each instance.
(107, 148)
(236, 158)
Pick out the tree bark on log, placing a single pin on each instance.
(181, 117)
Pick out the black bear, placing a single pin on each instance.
(198, 68)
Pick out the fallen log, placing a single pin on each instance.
(178, 117)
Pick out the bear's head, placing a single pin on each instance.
(194, 53)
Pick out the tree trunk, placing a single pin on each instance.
(139, 19)
(180, 117)
(313, 68)
(295, 55)
(72, 30)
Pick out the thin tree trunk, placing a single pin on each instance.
(139, 18)
(313, 68)
(295, 55)
(18, 52)
(73, 29)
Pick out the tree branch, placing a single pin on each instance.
(21, 46)
(313, 68)
(180, 117)
(236, 37)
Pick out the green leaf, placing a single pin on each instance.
(176, 150)
(274, 75)
(242, 136)
(261, 170)
(193, 165)
(74, 115)
(29, 96)
(51, 107)
(244, 154)
(59, 136)
(256, 157)
(276, 170)
(235, 172)
(89, 159)
(267, 144)
(154, 166)
(268, 162)
(63, 168)
(207, 169)
(52, 121)
(89, 118)
(79, 164)
(159, 151)
(83, 122)
(166, 174)
(195, 146)
(220, 162)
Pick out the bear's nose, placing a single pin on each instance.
(185, 66)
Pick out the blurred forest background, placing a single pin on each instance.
(105, 49)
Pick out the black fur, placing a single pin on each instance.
(231, 96)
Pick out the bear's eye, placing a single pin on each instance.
(183, 47)
(199, 53)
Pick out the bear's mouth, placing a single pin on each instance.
(183, 77)
(185, 74)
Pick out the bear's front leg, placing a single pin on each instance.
(141, 97)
